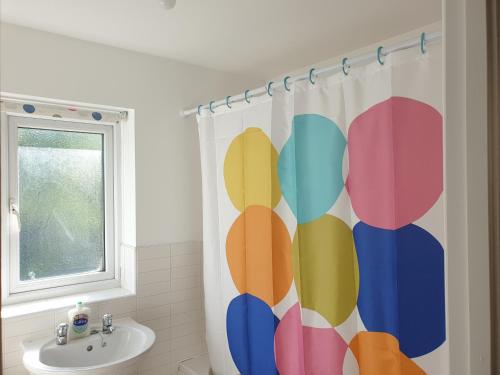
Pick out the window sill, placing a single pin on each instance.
(25, 308)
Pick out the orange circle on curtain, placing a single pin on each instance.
(258, 250)
(378, 353)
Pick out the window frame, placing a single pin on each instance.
(67, 284)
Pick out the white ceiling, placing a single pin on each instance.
(259, 37)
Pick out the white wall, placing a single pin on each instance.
(467, 186)
(167, 157)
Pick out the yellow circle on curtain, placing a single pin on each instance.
(325, 267)
(251, 171)
(258, 251)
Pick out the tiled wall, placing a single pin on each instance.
(169, 300)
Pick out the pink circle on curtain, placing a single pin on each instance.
(395, 162)
(307, 350)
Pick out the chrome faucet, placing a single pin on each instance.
(62, 334)
(107, 324)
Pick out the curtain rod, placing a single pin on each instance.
(313, 73)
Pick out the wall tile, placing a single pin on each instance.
(13, 343)
(118, 307)
(187, 305)
(17, 370)
(13, 359)
(154, 301)
(186, 259)
(186, 353)
(186, 282)
(27, 324)
(158, 324)
(163, 335)
(154, 264)
(187, 317)
(145, 278)
(186, 248)
(159, 360)
(192, 339)
(187, 329)
(153, 288)
(162, 370)
(185, 294)
(159, 348)
(186, 271)
(153, 313)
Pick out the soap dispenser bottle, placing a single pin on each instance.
(78, 318)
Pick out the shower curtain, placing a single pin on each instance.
(323, 212)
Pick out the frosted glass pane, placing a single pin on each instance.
(61, 200)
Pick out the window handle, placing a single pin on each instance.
(14, 210)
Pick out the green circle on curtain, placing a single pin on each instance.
(325, 266)
(310, 166)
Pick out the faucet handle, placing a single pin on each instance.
(107, 320)
(62, 333)
(62, 329)
(107, 323)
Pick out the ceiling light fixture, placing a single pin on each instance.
(168, 4)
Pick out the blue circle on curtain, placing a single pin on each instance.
(401, 288)
(250, 325)
(310, 166)
(97, 116)
(28, 108)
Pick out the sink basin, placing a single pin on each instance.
(116, 353)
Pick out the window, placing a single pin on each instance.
(67, 202)
(61, 201)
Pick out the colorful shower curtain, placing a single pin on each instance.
(323, 211)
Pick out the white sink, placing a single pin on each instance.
(88, 356)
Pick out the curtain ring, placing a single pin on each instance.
(423, 48)
(379, 55)
(210, 106)
(285, 83)
(199, 109)
(247, 97)
(311, 75)
(269, 88)
(228, 101)
(345, 67)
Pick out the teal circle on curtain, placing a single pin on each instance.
(310, 166)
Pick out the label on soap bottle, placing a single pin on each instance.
(80, 322)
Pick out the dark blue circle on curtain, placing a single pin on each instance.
(250, 325)
(401, 289)
(29, 108)
(97, 116)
